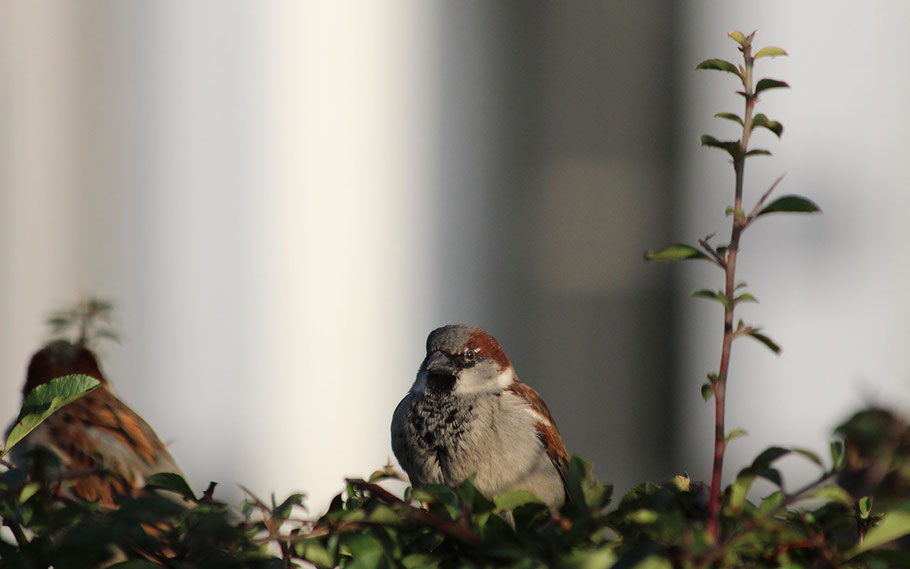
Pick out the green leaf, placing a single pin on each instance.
(832, 493)
(678, 252)
(745, 297)
(865, 507)
(760, 120)
(765, 84)
(768, 456)
(707, 390)
(318, 555)
(895, 524)
(730, 146)
(758, 152)
(812, 456)
(790, 204)
(715, 295)
(730, 117)
(771, 502)
(769, 51)
(173, 482)
(44, 400)
(719, 65)
(740, 489)
(735, 434)
(515, 498)
(366, 551)
(738, 37)
(768, 342)
(838, 456)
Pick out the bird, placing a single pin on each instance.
(467, 414)
(100, 448)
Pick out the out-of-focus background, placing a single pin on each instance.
(284, 198)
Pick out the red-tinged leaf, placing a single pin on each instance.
(760, 120)
(730, 117)
(718, 65)
(738, 37)
(765, 84)
(770, 51)
(768, 342)
(790, 204)
(677, 252)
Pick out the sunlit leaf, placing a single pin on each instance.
(769, 51)
(737, 36)
(735, 434)
(677, 252)
(865, 506)
(515, 498)
(790, 204)
(44, 400)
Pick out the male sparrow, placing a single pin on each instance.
(468, 414)
(101, 446)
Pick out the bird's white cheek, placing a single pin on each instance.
(478, 380)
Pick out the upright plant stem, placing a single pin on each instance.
(739, 223)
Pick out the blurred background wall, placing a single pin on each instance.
(283, 199)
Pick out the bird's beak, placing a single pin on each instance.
(440, 364)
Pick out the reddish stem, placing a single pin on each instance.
(739, 223)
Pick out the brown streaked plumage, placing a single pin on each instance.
(104, 448)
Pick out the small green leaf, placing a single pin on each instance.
(707, 390)
(319, 556)
(740, 489)
(832, 493)
(745, 297)
(768, 342)
(718, 65)
(768, 456)
(790, 204)
(735, 212)
(730, 146)
(514, 499)
(895, 524)
(730, 117)
(812, 456)
(173, 482)
(735, 434)
(769, 51)
(676, 252)
(738, 37)
(760, 120)
(765, 84)
(44, 400)
(758, 152)
(838, 456)
(713, 377)
(28, 491)
(714, 295)
(772, 502)
(865, 507)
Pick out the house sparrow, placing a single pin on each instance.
(468, 414)
(101, 446)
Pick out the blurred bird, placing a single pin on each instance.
(99, 448)
(468, 414)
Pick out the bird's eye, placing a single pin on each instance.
(469, 355)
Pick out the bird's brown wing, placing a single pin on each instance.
(546, 428)
(105, 448)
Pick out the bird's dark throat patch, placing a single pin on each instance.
(439, 384)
